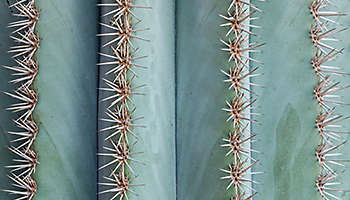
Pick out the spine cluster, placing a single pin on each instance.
(122, 56)
(322, 33)
(238, 73)
(26, 68)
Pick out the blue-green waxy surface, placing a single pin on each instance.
(157, 140)
(287, 134)
(201, 93)
(66, 112)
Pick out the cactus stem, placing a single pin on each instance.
(325, 93)
(238, 142)
(122, 29)
(27, 43)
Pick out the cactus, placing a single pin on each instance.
(63, 114)
(67, 33)
(239, 18)
(290, 135)
(5, 117)
(120, 109)
(26, 69)
(151, 140)
(289, 140)
(286, 132)
(327, 153)
(211, 133)
(239, 99)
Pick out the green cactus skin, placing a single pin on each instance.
(157, 139)
(67, 107)
(288, 134)
(66, 112)
(201, 123)
(200, 97)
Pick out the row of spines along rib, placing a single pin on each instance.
(324, 29)
(25, 70)
(122, 68)
(238, 20)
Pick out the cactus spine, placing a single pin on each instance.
(119, 83)
(25, 71)
(323, 30)
(240, 70)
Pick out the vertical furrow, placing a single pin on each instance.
(25, 71)
(121, 61)
(323, 34)
(241, 67)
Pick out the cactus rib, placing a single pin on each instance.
(120, 106)
(237, 45)
(24, 72)
(323, 29)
